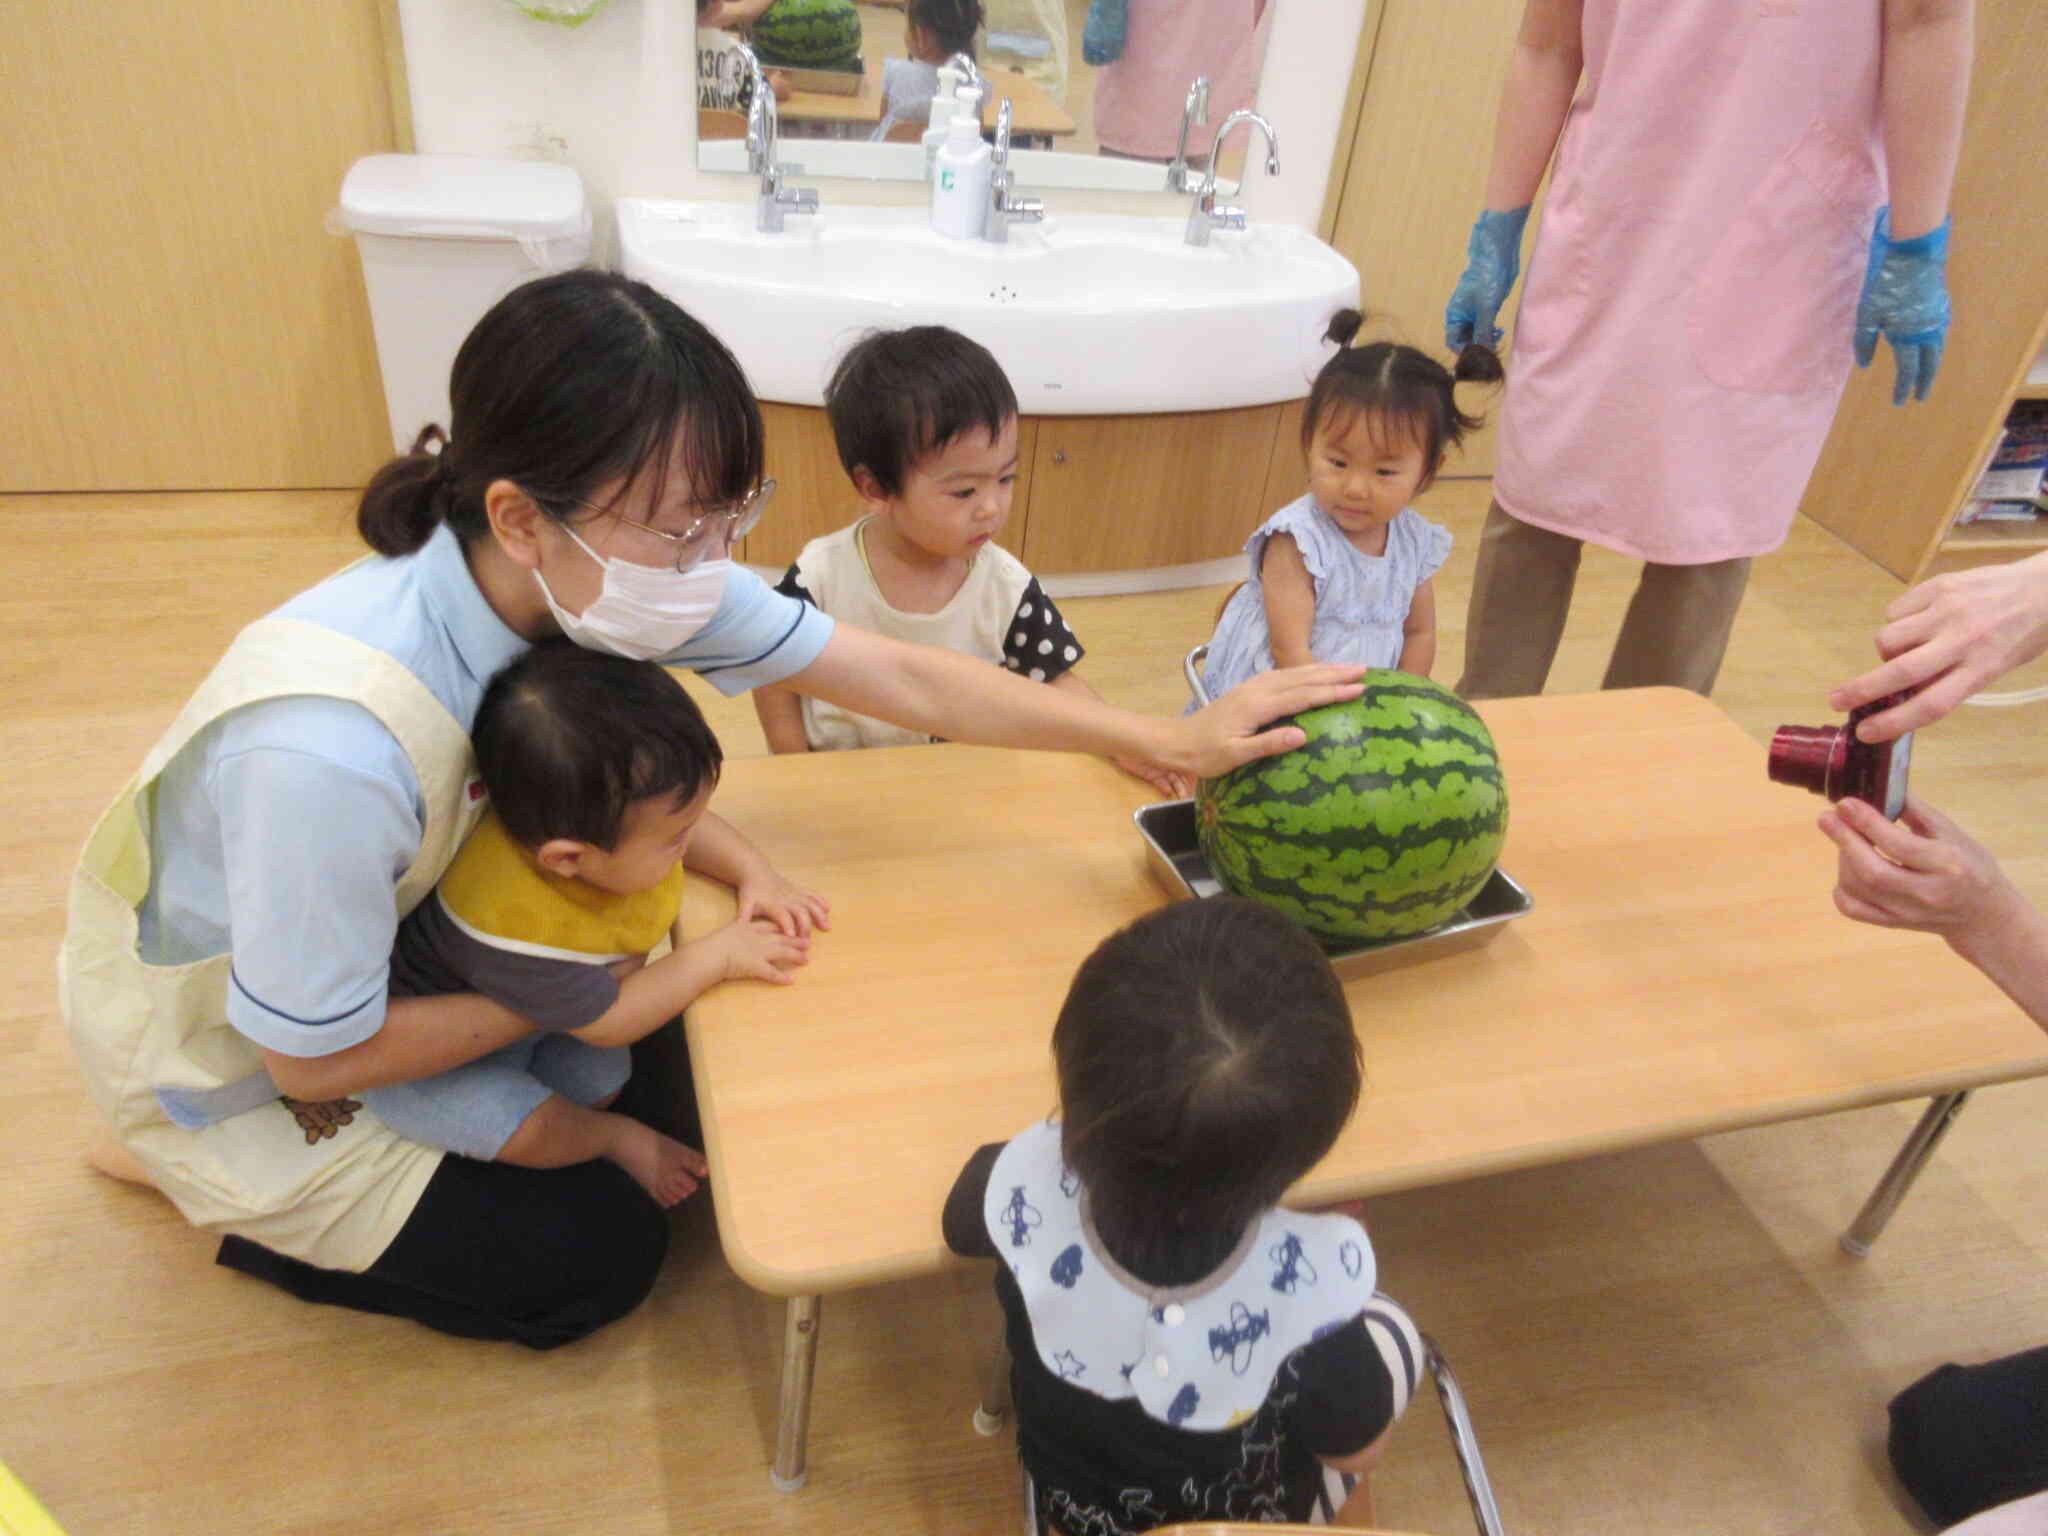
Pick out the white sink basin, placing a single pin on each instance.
(1088, 313)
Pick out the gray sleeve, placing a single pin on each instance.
(434, 956)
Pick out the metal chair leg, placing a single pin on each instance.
(793, 1421)
(1485, 1512)
(1912, 1157)
(995, 1393)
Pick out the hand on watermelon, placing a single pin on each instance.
(1239, 726)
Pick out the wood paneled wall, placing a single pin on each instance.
(177, 314)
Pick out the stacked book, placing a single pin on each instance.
(2011, 484)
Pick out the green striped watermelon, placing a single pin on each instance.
(1386, 822)
(808, 34)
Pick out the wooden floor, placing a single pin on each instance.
(1661, 1341)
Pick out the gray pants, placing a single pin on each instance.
(1676, 631)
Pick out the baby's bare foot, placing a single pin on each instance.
(105, 1151)
(666, 1168)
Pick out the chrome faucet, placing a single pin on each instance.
(1206, 215)
(1002, 207)
(1196, 110)
(763, 134)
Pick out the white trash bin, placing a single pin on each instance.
(442, 239)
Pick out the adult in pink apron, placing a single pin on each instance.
(1711, 243)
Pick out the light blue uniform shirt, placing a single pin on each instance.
(281, 830)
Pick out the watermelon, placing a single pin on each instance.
(1383, 825)
(808, 34)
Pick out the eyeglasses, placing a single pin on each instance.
(728, 524)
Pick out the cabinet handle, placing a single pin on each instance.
(1059, 455)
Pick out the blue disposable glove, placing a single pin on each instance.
(1905, 295)
(1493, 256)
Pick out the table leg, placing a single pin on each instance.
(995, 1393)
(793, 1423)
(1478, 1487)
(1905, 1168)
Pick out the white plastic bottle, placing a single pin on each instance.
(960, 179)
(943, 110)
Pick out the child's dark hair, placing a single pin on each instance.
(567, 384)
(1397, 382)
(567, 739)
(899, 395)
(952, 23)
(1206, 1061)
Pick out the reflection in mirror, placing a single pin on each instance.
(863, 72)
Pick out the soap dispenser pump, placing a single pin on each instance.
(960, 179)
(944, 108)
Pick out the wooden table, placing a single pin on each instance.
(1683, 971)
(1035, 118)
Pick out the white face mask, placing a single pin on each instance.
(641, 611)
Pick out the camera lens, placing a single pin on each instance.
(1809, 757)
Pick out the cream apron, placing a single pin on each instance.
(137, 1027)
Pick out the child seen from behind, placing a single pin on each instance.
(1183, 1348)
(926, 426)
(1345, 573)
(933, 31)
(600, 771)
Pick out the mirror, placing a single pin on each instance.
(853, 81)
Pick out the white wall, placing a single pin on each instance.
(615, 98)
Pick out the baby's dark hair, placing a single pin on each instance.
(952, 23)
(1401, 384)
(899, 395)
(568, 739)
(1206, 1061)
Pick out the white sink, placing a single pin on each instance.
(1088, 313)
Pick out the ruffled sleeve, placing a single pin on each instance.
(1311, 532)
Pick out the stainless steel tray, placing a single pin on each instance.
(1174, 851)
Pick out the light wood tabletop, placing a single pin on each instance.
(1683, 971)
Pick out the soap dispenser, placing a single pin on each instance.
(960, 179)
(943, 110)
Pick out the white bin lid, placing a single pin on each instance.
(463, 197)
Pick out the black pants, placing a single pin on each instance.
(542, 1255)
(1969, 1438)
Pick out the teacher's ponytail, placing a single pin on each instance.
(408, 498)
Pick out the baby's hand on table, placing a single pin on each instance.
(791, 908)
(753, 947)
(1170, 782)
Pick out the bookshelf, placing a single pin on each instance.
(1891, 479)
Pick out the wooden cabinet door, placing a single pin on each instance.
(1120, 493)
(177, 316)
(1416, 174)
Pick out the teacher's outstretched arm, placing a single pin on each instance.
(964, 699)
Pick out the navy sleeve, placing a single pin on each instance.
(1039, 643)
(1347, 1393)
(966, 1231)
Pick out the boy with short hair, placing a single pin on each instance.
(926, 426)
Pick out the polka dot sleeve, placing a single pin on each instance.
(1039, 643)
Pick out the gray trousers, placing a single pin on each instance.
(1676, 631)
